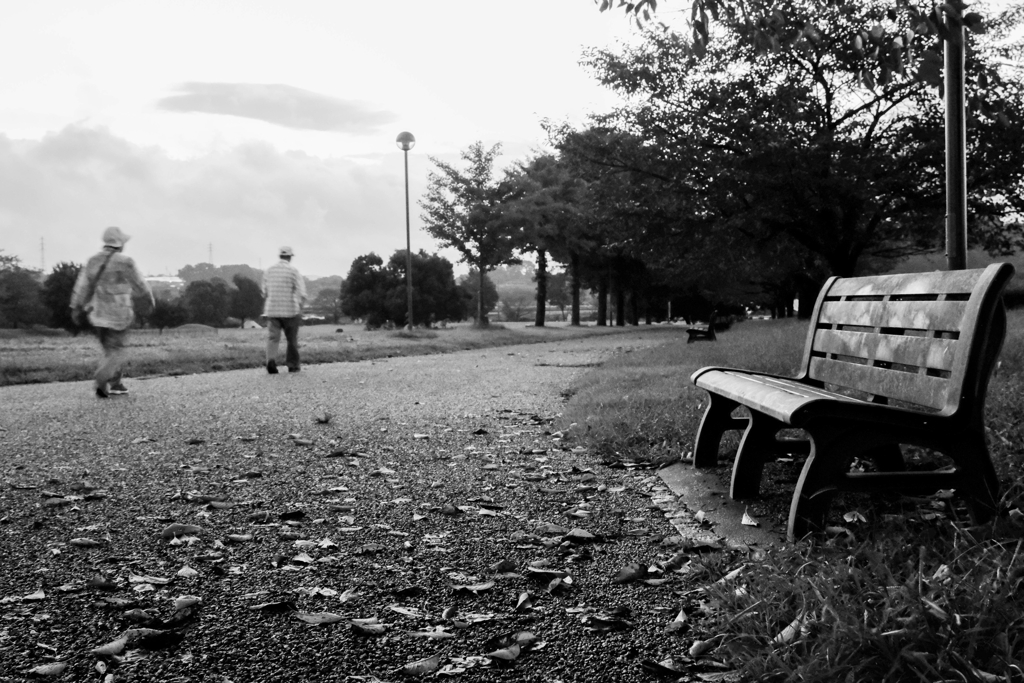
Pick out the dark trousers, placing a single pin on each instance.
(290, 326)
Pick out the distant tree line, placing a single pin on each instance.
(28, 298)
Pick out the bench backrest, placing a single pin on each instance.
(927, 339)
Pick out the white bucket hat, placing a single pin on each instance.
(114, 237)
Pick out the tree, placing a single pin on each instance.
(884, 52)
(246, 299)
(364, 290)
(549, 206)
(376, 292)
(515, 306)
(435, 295)
(559, 291)
(20, 301)
(8, 261)
(789, 158)
(56, 294)
(208, 271)
(206, 301)
(327, 303)
(464, 210)
(168, 313)
(471, 285)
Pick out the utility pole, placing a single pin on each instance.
(956, 148)
(210, 256)
(42, 254)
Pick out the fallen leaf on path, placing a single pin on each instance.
(525, 603)
(702, 647)
(368, 627)
(114, 647)
(317, 618)
(474, 589)
(421, 666)
(633, 571)
(677, 624)
(52, 669)
(407, 611)
(173, 530)
(505, 655)
(578, 536)
(436, 633)
(156, 580)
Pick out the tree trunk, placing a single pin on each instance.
(620, 304)
(574, 274)
(542, 287)
(634, 311)
(602, 302)
(481, 317)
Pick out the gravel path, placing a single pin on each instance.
(366, 490)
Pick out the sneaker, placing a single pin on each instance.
(117, 389)
(272, 367)
(101, 391)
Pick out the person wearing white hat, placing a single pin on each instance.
(103, 296)
(284, 292)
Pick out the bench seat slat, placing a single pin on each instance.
(937, 354)
(922, 390)
(937, 282)
(914, 315)
(775, 396)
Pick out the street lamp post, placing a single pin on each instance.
(405, 142)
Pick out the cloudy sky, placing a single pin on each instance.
(232, 127)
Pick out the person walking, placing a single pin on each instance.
(103, 295)
(284, 292)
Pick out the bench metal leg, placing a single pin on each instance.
(717, 420)
(978, 480)
(756, 447)
(832, 448)
(834, 445)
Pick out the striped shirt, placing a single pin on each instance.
(111, 302)
(284, 290)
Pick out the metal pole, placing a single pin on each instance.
(408, 249)
(956, 149)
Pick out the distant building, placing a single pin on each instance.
(166, 286)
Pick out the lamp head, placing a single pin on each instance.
(405, 141)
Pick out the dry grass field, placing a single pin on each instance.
(32, 357)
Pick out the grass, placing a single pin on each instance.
(642, 406)
(920, 595)
(53, 356)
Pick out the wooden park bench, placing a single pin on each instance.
(700, 332)
(889, 360)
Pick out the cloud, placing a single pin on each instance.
(242, 202)
(283, 105)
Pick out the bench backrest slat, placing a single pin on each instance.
(915, 338)
(945, 316)
(935, 282)
(922, 390)
(935, 354)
